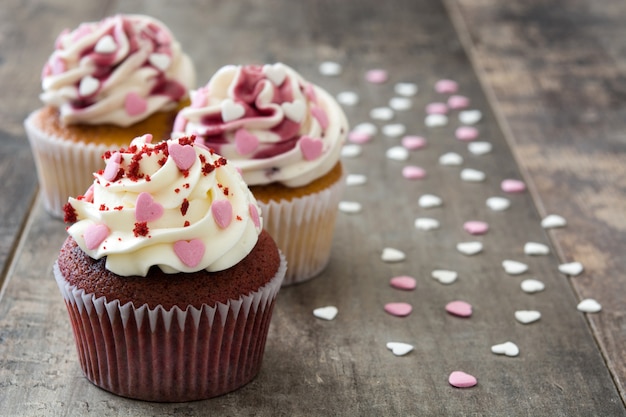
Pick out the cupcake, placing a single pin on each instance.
(285, 135)
(105, 83)
(167, 275)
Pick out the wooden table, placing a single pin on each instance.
(549, 79)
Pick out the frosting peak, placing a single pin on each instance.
(119, 70)
(269, 121)
(176, 205)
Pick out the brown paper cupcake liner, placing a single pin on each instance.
(174, 355)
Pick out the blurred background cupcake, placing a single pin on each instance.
(285, 135)
(104, 83)
(167, 274)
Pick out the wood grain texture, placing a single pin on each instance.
(557, 74)
(342, 367)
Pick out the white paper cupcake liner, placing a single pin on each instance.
(174, 355)
(303, 229)
(64, 168)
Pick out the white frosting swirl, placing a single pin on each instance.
(119, 70)
(176, 205)
(269, 121)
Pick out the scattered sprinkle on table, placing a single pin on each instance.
(450, 159)
(444, 276)
(535, 248)
(476, 227)
(514, 267)
(350, 207)
(398, 309)
(326, 313)
(403, 282)
(498, 203)
(571, 268)
(429, 201)
(377, 76)
(479, 147)
(406, 89)
(446, 86)
(589, 305)
(513, 186)
(426, 223)
(527, 316)
(330, 68)
(459, 308)
(507, 349)
(399, 348)
(552, 221)
(460, 379)
(531, 286)
(469, 248)
(392, 255)
(413, 142)
(470, 117)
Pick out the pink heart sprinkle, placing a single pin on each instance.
(474, 227)
(222, 212)
(458, 102)
(376, 76)
(189, 252)
(446, 86)
(513, 186)
(321, 116)
(254, 213)
(146, 209)
(199, 98)
(112, 167)
(88, 196)
(398, 309)
(413, 172)
(311, 148)
(413, 142)
(403, 282)
(184, 156)
(436, 108)
(245, 142)
(460, 379)
(134, 104)
(359, 137)
(95, 235)
(466, 133)
(459, 308)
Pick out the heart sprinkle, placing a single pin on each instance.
(534, 248)
(552, 221)
(425, 223)
(571, 268)
(514, 267)
(105, 45)
(245, 142)
(222, 211)
(189, 252)
(184, 156)
(160, 61)
(320, 115)
(311, 148)
(326, 313)
(88, 85)
(403, 282)
(527, 316)
(475, 227)
(112, 167)
(276, 73)
(399, 349)
(531, 286)
(231, 111)
(512, 186)
(589, 305)
(507, 348)
(413, 142)
(460, 379)
(294, 110)
(392, 255)
(459, 308)
(146, 209)
(469, 248)
(498, 203)
(95, 234)
(444, 276)
(376, 76)
(429, 201)
(350, 207)
(412, 172)
(330, 68)
(398, 309)
(254, 214)
(134, 104)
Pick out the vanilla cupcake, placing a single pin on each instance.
(104, 83)
(285, 135)
(168, 278)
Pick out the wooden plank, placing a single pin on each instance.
(557, 74)
(342, 367)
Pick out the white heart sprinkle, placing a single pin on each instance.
(552, 221)
(406, 89)
(392, 255)
(514, 267)
(436, 120)
(231, 110)
(348, 98)
(532, 286)
(105, 45)
(498, 203)
(160, 61)
(356, 179)
(444, 276)
(394, 130)
(506, 348)
(425, 223)
(429, 201)
(350, 207)
(366, 128)
(479, 148)
(399, 349)
(330, 68)
(472, 175)
(276, 73)
(397, 153)
(88, 85)
(589, 305)
(381, 113)
(571, 268)
(351, 150)
(527, 316)
(400, 103)
(294, 110)
(326, 313)
(469, 248)
(451, 159)
(470, 117)
(534, 248)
